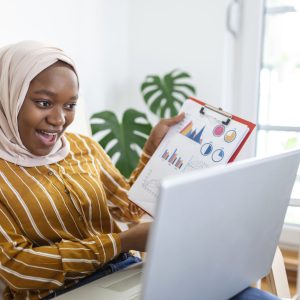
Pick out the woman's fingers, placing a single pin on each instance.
(159, 132)
(174, 120)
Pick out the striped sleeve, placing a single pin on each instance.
(25, 267)
(116, 186)
(136, 172)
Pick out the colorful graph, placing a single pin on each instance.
(230, 136)
(173, 158)
(218, 130)
(218, 155)
(206, 149)
(192, 133)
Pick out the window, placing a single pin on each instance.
(279, 102)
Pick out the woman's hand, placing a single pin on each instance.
(135, 238)
(159, 131)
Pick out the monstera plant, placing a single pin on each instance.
(126, 136)
(164, 96)
(123, 140)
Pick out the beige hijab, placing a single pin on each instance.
(19, 64)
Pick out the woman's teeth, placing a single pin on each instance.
(47, 138)
(48, 133)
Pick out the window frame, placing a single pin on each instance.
(245, 86)
(290, 236)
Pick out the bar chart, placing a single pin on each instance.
(173, 158)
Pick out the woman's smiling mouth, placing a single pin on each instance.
(47, 138)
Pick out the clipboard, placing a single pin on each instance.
(208, 136)
(229, 117)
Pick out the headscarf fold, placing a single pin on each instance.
(19, 64)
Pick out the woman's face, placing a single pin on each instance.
(48, 108)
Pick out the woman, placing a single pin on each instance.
(59, 192)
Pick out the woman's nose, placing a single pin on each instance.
(56, 117)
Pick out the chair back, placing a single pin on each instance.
(277, 278)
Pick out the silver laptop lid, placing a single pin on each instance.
(216, 230)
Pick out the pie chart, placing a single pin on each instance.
(218, 155)
(206, 149)
(230, 136)
(218, 130)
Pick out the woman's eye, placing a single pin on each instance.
(43, 103)
(70, 106)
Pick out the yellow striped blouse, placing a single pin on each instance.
(57, 222)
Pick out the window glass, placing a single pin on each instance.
(272, 3)
(272, 142)
(279, 102)
(280, 74)
(292, 216)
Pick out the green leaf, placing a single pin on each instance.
(162, 94)
(180, 75)
(127, 136)
(187, 86)
(290, 143)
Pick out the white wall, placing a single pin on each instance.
(116, 43)
(91, 31)
(189, 35)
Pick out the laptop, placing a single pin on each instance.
(215, 233)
